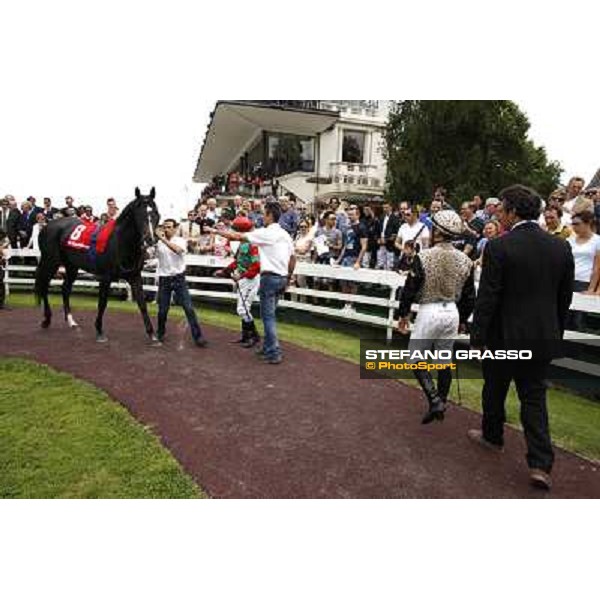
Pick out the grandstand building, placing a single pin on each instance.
(314, 149)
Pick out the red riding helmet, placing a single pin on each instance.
(242, 224)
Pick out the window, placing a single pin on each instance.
(287, 153)
(353, 146)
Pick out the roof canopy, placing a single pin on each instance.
(234, 124)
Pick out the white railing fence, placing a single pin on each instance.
(384, 303)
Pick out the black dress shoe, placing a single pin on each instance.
(201, 342)
(435, 413)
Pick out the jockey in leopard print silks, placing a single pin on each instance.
(245, 271)
(441, 282)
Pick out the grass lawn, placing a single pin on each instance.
(574, 420)
(63, 438)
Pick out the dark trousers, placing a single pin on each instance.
(176, 286)
(529, 378)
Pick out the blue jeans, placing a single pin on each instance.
(177, 285)
(271, 286)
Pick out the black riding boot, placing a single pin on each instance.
(436, 406)
(245, 334)
(253, 337)
(443, 384)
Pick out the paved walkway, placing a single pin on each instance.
(309, 428)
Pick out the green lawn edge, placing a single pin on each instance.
(574, 420)
(61, 437)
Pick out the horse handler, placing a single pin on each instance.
(245, 271)
(170, 252)
(441, 281)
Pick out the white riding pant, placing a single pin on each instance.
(436, 327)
(248, 290)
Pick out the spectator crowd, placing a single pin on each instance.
(387, 235)
(373, 235)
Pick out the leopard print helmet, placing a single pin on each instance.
(448, 222)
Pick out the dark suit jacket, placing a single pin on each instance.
(25, 226)
(391, 230)
(525, 291)
(12, 226)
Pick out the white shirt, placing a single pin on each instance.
(384, 225)
(170, 263)
(213, 214)
(584, 254)
(35, 236)
(274, 246)
(568, 205)
(417, 232)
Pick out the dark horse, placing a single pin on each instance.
(123, 258)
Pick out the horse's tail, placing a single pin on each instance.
(43, 273)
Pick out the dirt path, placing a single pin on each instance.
(307, 428)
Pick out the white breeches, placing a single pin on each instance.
(436, 327)
(248, 290)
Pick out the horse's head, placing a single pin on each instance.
(146, 216)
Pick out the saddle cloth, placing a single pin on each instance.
(90, 236)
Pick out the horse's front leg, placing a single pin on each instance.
(137, 291)
(102, 302)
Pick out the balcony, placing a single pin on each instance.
(352, 176)
(356, 108)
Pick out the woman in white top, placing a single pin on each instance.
(40, 223)
(303, 247)
(585, 245)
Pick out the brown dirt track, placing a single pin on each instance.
(308, 428)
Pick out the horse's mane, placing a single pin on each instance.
(127, 211)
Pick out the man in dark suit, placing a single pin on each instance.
(524, 295)
(390, 223)
(11, 220)
(35, 209)
(49, 210)
(26, 223)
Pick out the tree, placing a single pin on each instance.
(469, 147)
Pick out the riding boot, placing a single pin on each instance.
(245, 332)
(160, 329)
(253, 337)
(436, 406)
(443, 384)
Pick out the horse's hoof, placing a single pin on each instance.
(72, 322)
(101, 338)
(45, 324)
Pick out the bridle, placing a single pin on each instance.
(153, 238)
